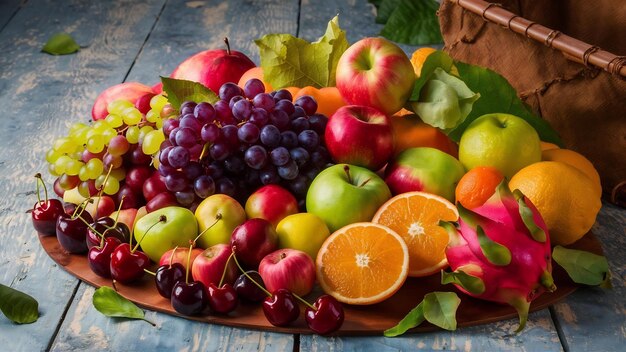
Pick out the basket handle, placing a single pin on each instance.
(572, 48)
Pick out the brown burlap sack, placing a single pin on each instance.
(583, 102)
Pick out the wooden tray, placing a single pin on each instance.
(359, 320)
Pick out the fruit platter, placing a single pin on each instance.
(368, 191)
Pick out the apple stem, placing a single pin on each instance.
(304, 301)
(218, 217)
(248, 276)
(225, 268)
(364, 182)
(162, 218)
(346, 168)
(227, 45)
(172, 255)
(188, 265)
(150, 272)
(283, 256)
(45, 190)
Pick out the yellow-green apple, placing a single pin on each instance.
(130, 91)
(272, 203)
(377, 73)
(290, 269)
(213, 68)
(164, 229)
(253, 240)
(424, 169)
(210, 265)
(360, 136)
(303, 231)
(179, 255)
(222, 214)
(343, 194)
(503, 141)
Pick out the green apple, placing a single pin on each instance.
(164, 229)
(424, 169)
(503, 141)
(344, 194)
(222, 214)
(303, 231)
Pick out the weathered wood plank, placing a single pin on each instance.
(183, 29)
(85, 328)
(188, 27)
(42, 94)
(8, 9)
(594, 319)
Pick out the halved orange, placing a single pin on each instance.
(415, 217)
(362, 263)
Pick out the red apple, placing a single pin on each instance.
(253, 240)
(213, 68)
(179, 255)
(359, 135)
(272, 203)
(209, 266)
(105, 206)
(126, 216)
(130, 91)
(290, 269)
(377, 73)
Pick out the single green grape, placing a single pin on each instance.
(53, 170)
(73, 167)
(132, 134)
(61, 164)
(131, 116)
(64, 145)
(101, 126)
(114, 120)
(52, 155)
(159, 123)
(95, 168)
(95, 144)
(111, 186)
(83, 173)
(144, 130)
(79, 136)
(152, 142)
(117, 106)
(152, 116)
(108, 134)
(119, 173)
(157, 102)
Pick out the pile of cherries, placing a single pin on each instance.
(280, 307)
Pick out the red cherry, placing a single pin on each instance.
(45, 214)
(189, 298)
(222, 299)
(72, 232)
(126, 265)
(99, 258)
(281, 308)
(167, 276)
(327, 317)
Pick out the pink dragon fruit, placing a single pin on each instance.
(501, 252)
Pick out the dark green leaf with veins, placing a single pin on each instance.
(17, 306)
(583, 267)
(412, 22)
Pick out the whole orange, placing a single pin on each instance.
(477, 185)
(328, 98)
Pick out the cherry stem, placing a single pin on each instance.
(248, 276)
(114, 285)
(346, 169)
(218, 217)
(106, 178)
(172, 255)
(227, 45)
(82, 207)
(304, 301)
(45, 190)
(225, 268)
(162, 218)
(205, 148)
(188, 265)
(150, 272)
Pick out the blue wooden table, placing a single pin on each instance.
(126, 40)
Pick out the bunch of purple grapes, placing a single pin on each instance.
(247, 139)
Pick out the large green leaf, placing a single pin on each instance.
(583, 267)
(290, 61)
(438, 308)
(110, 303)
(498, 96)
(180, 90)
(412, 22)
(60, 44)
(18, 306)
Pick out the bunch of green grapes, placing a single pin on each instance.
(125, 138)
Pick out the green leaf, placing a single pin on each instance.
(60, 44)
(180, 90)
(583, 267)
(17, 306)
(412, 22)
(414, 318)
(437, 59)
(527, 217)
(444, 101)
(498, 96)
(440, 309)
(470, 283)
(495, 253)
(290, 61)
(110, 303)
(385, 9)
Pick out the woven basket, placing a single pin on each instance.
(577, 87)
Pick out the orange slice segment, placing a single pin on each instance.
(362, 263)
(415, 217)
